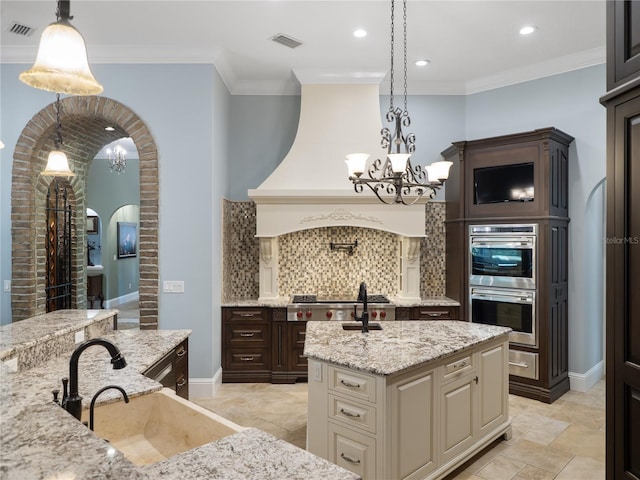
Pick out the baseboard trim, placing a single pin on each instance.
(205, 387)
(582, 382)
(129, 297)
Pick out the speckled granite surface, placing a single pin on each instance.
(283, 302)
(40, 440)
(398, 346)
(32, 341)
(264, 457)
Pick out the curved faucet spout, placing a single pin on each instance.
(98, 393)
(362, 297)
(73, 403)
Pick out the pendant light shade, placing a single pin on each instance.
(57, 165)
(61, 64)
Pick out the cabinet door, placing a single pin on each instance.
(457, 402)
(493, 399)
(413, 433)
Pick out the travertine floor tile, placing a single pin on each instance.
(582, 468)
(581, 440)
(537, 455)
(501, 468)
(533, 473)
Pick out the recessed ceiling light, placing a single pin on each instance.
(360, 33)
(423, 63)
(528, 29)
(109, 129)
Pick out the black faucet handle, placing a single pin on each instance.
(56, 392)
(65, 389)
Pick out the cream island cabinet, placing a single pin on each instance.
(411, 401)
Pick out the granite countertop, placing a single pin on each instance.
(284, 301)
(38, 439)
(398, 346)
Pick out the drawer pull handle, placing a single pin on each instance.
(246, 359)
(462, 364)
(246, 334)
(349, 459)
(180, 353)
(246, 314)
(432, 314)
(182, 383)
(519, 364)
(347, 413)
(349, 384)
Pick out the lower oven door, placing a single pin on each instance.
(507, 308)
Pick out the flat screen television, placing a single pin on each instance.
(503, 183)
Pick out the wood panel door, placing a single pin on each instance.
(623, 288)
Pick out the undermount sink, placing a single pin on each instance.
(153, 427)
(358, 326)
(94, 270)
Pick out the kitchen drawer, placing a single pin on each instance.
(244, 314)
(457, 366)
(523, 364)
(247, 359)
(356, 385)
(246, 334)
(352, 413)
(352, 450)
(435, 313)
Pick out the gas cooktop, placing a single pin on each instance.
(320, 299)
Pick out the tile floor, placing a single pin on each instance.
(562, 441)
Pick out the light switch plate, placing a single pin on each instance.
(173, 286)
(317, 372)
(80, 336)
(7, 285)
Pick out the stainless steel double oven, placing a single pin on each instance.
(502, 278)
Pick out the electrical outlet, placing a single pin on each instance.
(129, 285)
(7, 285)
(317, 372)
(80, 336)
(12, 364)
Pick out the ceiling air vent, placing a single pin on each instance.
(21, 29)
(286, 40)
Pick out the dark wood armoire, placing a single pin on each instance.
(622, 101)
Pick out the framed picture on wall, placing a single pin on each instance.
(127, 239)
(92, 224)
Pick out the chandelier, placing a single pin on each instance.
(117, 159)
(61, 63)
(57, 162)
(396, 180)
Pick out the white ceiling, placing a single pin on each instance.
(473, 45)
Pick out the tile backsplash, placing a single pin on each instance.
(308, 265)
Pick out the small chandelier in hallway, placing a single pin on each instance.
(117, 159)
(397, 180)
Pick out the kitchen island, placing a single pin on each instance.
(411, 401)
(40, 440)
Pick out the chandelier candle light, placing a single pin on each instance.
(117, 160)
(397, 180)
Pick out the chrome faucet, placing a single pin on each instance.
(362, 297)
(72, 403)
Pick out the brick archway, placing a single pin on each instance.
(83, 120)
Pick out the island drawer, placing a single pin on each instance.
(352, 413)
(356, 384)
(244, 314)
(351, 450)
(434, 312)
(459, 365)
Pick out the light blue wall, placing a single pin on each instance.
(568, 102)
(176, 102)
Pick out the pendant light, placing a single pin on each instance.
(396, 180)
(61, 64)
(57, 162)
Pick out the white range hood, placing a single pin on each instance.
(339, 114)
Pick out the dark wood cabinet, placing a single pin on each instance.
(548, 150)
(623, 241)
(246, 344)
(94, 290)
(428, 312)
(172, 370)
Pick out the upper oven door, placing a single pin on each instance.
(503, 261)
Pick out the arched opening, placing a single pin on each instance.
(83, 129)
